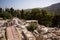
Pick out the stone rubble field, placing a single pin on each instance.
(41, 33)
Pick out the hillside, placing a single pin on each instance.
(55, 8)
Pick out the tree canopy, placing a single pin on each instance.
(44, 17)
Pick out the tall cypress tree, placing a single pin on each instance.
(22, 13)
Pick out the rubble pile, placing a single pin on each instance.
(47, 33)
(2, 34)
(41, 33)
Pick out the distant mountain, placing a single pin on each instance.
(55, 8)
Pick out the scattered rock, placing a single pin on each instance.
(41, 33)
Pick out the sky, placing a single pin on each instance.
(26, 4)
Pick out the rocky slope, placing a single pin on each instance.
(16, 29)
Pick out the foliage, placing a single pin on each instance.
(22, 13)
(32, 27)
(34, 13)
(44, 17)
(7, 15)
(0, 10)
(56, 21)
(27, 15)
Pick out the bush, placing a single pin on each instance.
(7, 15)
(32, 27)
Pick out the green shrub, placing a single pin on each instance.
(7, 15)
(32, 27)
